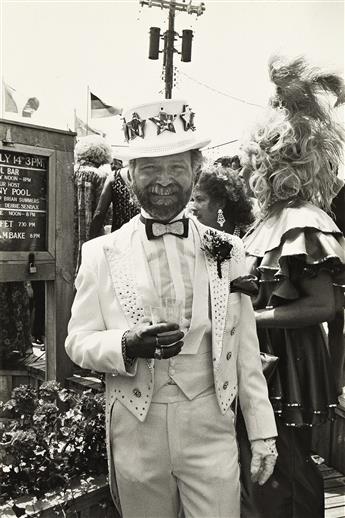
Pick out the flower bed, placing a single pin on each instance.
(85, 498)
(52, 439)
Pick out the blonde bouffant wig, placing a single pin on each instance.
(295, 153)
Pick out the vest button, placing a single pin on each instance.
(226, 384)
(137, 392)
(228, 356)
(233, 331)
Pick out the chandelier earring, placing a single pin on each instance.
(220, 218)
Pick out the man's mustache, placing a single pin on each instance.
(164, 190)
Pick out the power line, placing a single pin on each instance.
(220, 145)
(220, 92)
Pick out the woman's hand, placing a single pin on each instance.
(315, 305)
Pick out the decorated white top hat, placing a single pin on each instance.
(161, 128)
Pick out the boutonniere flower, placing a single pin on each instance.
(218, 247)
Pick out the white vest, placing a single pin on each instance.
(173, 380)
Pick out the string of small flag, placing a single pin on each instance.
(220, 92)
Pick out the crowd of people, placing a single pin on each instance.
(250, 248)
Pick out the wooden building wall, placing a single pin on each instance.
(56, 269)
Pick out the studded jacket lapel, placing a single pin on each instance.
(121, 257)
(219, 289)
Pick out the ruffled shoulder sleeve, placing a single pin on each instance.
(299, 241)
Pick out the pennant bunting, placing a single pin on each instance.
(10, 104)
(100, 109)
(32, 105)
(82, 129)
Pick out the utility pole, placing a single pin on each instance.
(169, 52)
(169, 37)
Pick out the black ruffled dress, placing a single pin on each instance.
(297, 242)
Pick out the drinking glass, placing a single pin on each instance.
(170, 311)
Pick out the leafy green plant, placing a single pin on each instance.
(49, 437)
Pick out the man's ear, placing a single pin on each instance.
(130, 172)
(128, 175)
(196, 174)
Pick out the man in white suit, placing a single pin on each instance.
(171, 387)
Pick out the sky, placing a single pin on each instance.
(56, 50)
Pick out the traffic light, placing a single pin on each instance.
(155, 34)
(186, 51)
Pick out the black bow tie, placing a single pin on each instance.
(155, 229)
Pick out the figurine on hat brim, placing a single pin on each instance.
(160, 128)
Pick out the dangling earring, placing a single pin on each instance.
(220, 218)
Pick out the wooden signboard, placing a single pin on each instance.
(27, 212)
(23, 201)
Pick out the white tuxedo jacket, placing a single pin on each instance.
(107, 303)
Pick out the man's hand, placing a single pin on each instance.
(143, 339)
(264, 456)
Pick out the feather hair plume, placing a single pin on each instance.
(298, 85)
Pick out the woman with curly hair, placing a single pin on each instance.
(91, 153)
(297, 251)
(220, 200)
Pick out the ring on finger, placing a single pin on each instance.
(158, 354)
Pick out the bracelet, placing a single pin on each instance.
(128, 361)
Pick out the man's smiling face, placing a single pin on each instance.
(163, 185)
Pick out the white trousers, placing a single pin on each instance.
(181, 462)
